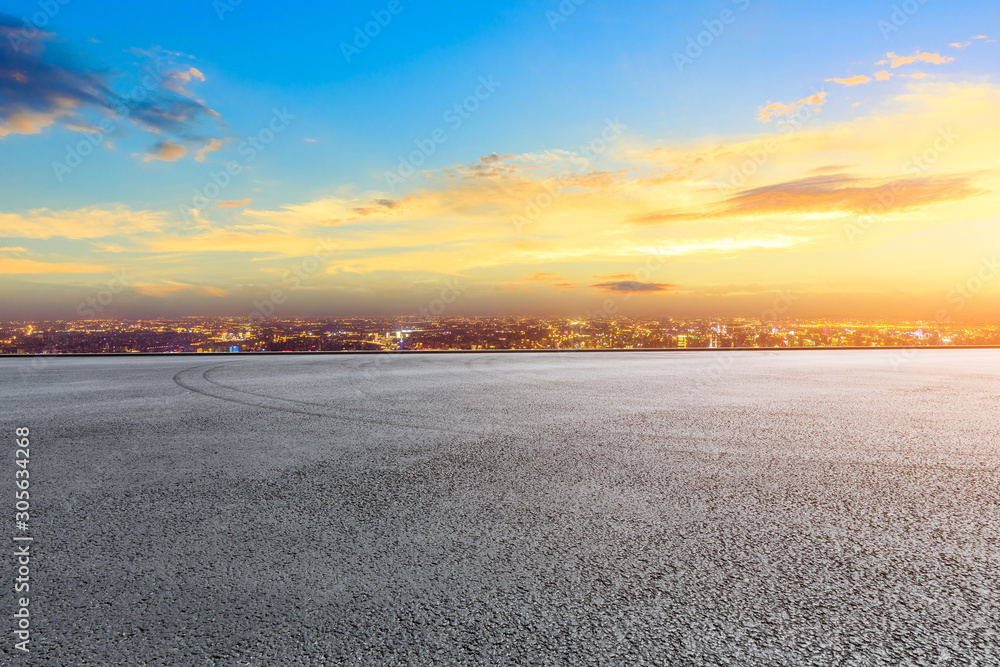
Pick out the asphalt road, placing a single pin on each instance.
(761, 508)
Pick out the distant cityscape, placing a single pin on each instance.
(239, 335)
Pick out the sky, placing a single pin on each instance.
(575, 158)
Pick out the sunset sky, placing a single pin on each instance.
(525, 157)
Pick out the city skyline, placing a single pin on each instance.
(416, 333)
(514, 158)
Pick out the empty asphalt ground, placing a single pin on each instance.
(757, 508)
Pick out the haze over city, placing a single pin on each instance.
(533, 158)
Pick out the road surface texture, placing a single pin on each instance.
(752, 508)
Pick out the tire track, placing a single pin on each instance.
(199, 382)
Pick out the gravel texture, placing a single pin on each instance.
(752, 508)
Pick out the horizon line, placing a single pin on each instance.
(548, 350)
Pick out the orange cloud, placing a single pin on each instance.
(595, 180)
(830, 193)
(542, 277)
(632, 286)
(492, 166)
(210, 147)
(883, 75)
(29, 122)
(841, 193)
(176, 80)
(853, 81)
(777, 109)
(383, 206)
(774, 224)
(29, 266)
(895, 60)
(166, 150)
(86, 223)
(41, 89)
(235, 204)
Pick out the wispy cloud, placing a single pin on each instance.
(772, 110)
(382, 206)
(85, 223)
(14, 266)
(543, 277)
(235, 204)
(627, 286)
(603, 218)
(202, 153)
(840, 193)
(38, 91)
(853, 80)
(165, 150)
(895, 60)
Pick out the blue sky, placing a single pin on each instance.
(563, 70)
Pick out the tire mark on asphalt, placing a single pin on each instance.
(695, 453)
(183, 379)
(711, 453)
(331, 411)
